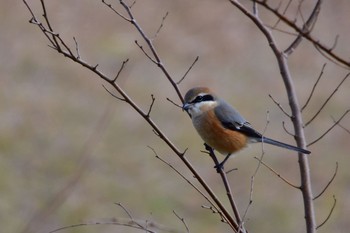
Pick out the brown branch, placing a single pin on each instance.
(314, 87)
(151, 105)
(328, 130)
(188, 70)
(171, 101)
(330, 213)
(120, 69)
(229, 194)
(183, 221)
(152, 48)
(277, 174)
(341, 126)
(161, 24)
(117, 97)
(327, 50)
(143, 114)
(280, 106)
(329, 182)
(307, 27)
(286, 130)
(191, 184)
(304, 168)
(327, 100)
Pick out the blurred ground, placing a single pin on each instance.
(69, 150)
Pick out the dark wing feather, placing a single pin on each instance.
(231, 119)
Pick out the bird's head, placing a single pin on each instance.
(199, 100)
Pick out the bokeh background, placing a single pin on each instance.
(69, 151)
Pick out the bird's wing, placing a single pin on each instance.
(233, 120)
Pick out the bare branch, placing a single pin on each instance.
(120, 69)
(341, 126)
(284, 12)
(117, 97)
(114, 221)
(76, 48)
(331, 180)
(171, 101)
(277, 174)
(327, 131)
(183, 221)
(286, 130)
(156, 59)
(148, 56)
(151, 105)
(161, 24)
(223, 216)
(125, 210)
(321, 47)
(188, 70)
(280, 106)
(115, 11)
(132, 4)
(307, 27)
(255, 9)
(335, 42)
(314, 87)
(229, 194)
(330, 213)
(324, 104)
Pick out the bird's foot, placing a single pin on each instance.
(219, 167)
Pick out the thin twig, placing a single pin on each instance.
(284, 12)
(151, 105)
(183, 221)
(125, 210)
(76, 47)
(314, 87)
(188, 70)
(189, 182)
(161, 24)
(286, 130)
(280, 106)
(227, 188)
(120, 69)
(331, 56)
(307, 26)
(327, 100)
(171, 101)
(146, 54)
(330, 213)
(341, 126)
(277, 174)
(115, 11)
(252, 178)
(117, 97)
(329, 182)
(327, 131)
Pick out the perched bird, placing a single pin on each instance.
(221, 126)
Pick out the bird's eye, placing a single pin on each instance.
(202, 98)
(198, 99)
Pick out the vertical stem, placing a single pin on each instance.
(301, 142)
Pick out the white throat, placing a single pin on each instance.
(199, 108)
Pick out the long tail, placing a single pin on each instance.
(283, 145)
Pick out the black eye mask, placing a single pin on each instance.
(202, 98)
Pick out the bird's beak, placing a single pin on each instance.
(185, 107)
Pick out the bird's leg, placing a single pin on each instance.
(220, 166)
(212, 155)
(208, 148)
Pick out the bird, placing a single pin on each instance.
(221, 126)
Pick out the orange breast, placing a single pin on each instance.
(215, 135)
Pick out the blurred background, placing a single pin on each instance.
(69, 150)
